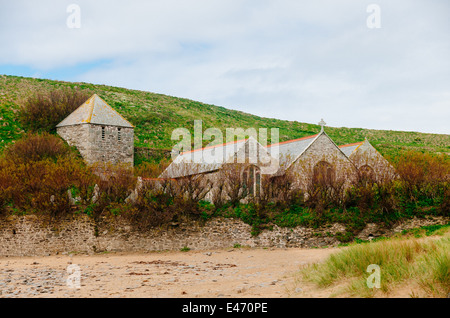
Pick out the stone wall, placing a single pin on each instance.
(322, 149)
(366, 154)
(78, 136)
(98, 143)
(111, 144)
(29, 236)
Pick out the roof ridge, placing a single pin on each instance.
(352, 144)
(214, 146)
(292, 140)
(92, 108)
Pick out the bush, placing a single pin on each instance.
(151, 169)
(37, 172)
(42, 186)
(423, 175)
(115, 184)
(154, 207)
(35, 147)
(44, 110)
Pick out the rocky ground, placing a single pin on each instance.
(237, 272)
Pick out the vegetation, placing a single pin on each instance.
(40, 173)
(424, 265)
(44, 110)
(155, 116)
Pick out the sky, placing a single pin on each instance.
(360, 64)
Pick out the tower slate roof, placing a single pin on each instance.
(95, 111)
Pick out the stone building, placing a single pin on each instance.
(305, 161)
(314, 159)
(213, 167)
(99, 132)
(368, 161)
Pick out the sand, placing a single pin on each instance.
(234, 273)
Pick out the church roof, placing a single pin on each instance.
(287, 153)
(95, 111)
(289, 150)
(350, 148)
(209, 159)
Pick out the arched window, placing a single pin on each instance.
(251, 178)
(323, 174)
(366, 173)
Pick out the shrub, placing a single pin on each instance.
(154, 207)
(188, 192)
(7, 180)
(151, 169)
(44, 110)
(445, 204)
(42, 186)
(423, 175)
(35, 147)
(281, 191)
(37, 172)
(232, 188)
(344, 237)
(115, 184)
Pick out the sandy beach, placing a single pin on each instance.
(236, 272)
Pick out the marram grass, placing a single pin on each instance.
(422, 263)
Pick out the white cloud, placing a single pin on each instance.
(296, 60)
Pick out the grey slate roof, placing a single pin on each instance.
(95, 111)
(350, 148)
(288, 151)
(209, 159)
(286, 154)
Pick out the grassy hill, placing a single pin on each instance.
(155, 116)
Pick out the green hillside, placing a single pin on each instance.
(155, 116)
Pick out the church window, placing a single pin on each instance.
(323, 174)
(367, 174)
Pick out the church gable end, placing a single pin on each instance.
(322, 152)
(366, 158)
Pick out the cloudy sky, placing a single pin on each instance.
(287, 59)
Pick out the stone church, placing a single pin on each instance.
(303, 160)
(102, 135)
(99, 132)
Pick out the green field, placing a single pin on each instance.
(155, 116)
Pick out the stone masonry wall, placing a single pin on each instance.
(323, 149)
(111, 148)
(78, 136)
(29, 236)
(94, 147)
